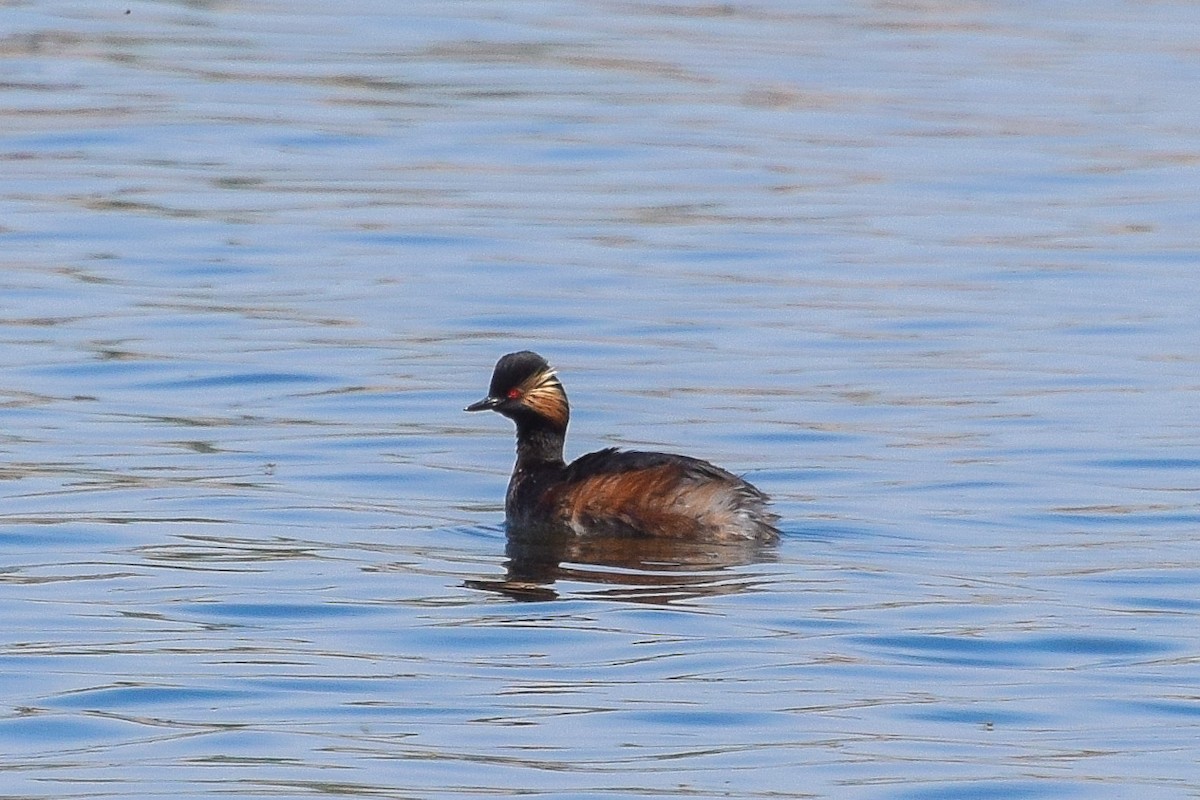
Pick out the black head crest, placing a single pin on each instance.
(515, 369)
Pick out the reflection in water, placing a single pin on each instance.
(650, 570)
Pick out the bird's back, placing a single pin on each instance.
(658, 494)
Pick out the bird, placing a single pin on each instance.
(611, 492)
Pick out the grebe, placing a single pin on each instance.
(622, 492)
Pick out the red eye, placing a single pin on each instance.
(513, 394)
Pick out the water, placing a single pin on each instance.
(925, 273)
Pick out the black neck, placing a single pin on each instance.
(539, 443)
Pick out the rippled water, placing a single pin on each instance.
(926, 273)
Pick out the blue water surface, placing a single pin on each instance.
(927, 274)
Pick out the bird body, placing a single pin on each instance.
(611, 491)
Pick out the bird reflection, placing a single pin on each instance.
(642, 569)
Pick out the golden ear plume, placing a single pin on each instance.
(544, 394)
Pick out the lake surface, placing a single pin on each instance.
(927, 273)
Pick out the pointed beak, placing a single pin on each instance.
(486, 404)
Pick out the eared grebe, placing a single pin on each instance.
(610, 491)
